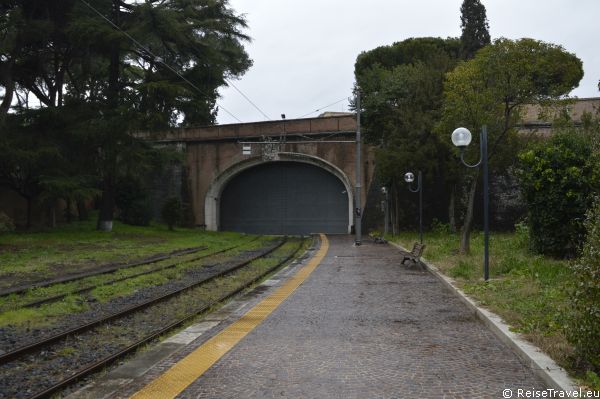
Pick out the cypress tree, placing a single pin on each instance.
(475, 28)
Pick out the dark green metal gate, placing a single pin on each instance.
(285, 198)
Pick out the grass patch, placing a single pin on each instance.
(66, 352)
(43, 315)
(78, 246)
(526, 290)
(105, 293)
(462, 270)
(27, 254)
(46, 315)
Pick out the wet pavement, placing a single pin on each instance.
(364, 326)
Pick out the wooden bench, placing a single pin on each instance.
(415, 254)
(379, 240)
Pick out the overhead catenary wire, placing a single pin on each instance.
(228, 81)
(322, 108)
(247, 99)
(156, 58)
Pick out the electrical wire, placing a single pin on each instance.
(322, 139)
(322, 108)
(156, 58)
(247, 99)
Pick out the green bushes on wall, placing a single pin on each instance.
(557, 181)
(584, 328)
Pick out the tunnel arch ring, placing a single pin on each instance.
(213, 195)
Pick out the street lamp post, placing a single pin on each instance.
(409, 178)
(386, 218)
(461, 138)
(358, 185)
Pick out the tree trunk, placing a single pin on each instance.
(29, 212)
(452, 210)
(107, 205)
(68, 211)
(52, 215)
(82, 212)
(395, 227)
(112, 95)
(465, 233)
(9, 89)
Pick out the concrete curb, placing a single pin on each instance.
(542, 365)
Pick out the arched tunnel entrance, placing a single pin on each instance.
(285, 197)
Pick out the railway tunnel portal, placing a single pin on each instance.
(277, 177)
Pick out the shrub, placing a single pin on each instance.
(133, 202)
(171, 212)
(593, 379)
(6, 223)
(584, 327)
(139, 213)
(522, 234)
(440, 228)
(557, 181)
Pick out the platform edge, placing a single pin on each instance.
(540, 363)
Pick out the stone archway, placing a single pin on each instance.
(212, 203)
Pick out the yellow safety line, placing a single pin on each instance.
(190, 368)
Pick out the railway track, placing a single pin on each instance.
(123, 312)
(123, 323)
(110, 268)
(178, 260)
(91, 287)
(83, 310)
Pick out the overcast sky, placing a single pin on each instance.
(304, 51)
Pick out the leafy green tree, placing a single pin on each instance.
(45, 158)
(73, 190)
(122, 66)
(36, 51)
(136, 180)
(491, 88)
(401, 89)
(26, 158)
(11, 20)
(475, 28)
(8, 52)
(193, 39)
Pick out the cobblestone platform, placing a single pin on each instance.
(362, 326)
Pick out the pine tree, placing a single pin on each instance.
(105, 69)
(475, 28)
(401, 94)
